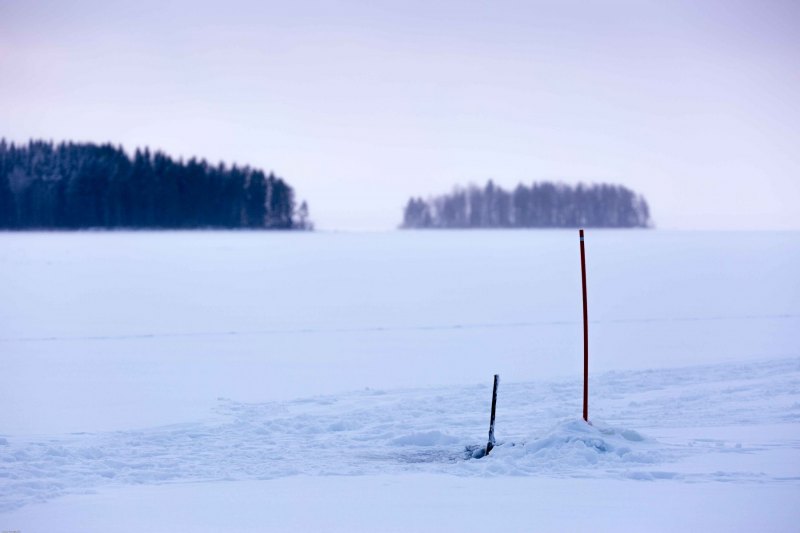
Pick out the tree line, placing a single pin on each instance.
(540, 205)
(84, 185)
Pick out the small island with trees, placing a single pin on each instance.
(540, 205)
(84, 185)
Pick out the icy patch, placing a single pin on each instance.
(629, 434)
(426, 438)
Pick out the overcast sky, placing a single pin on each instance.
(695, 104)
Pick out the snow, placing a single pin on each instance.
(428, 430)
(172, 378)
(419, 502)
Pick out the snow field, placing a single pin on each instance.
(118, 330)
(373, 432)
(251, 381)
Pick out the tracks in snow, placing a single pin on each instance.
(427, 430)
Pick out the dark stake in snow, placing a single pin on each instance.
(491, 442)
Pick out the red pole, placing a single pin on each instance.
(585, 335)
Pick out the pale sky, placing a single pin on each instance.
(359, 105)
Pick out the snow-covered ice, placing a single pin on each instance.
(150, 374)
(681, 434)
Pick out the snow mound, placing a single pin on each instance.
(577, 442)
(574, 446)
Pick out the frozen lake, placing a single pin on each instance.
(103, 331)
(234, 380)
